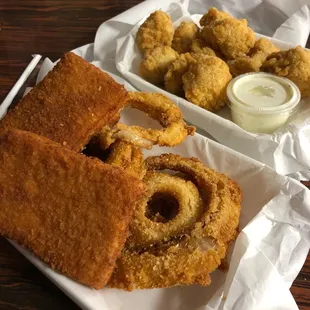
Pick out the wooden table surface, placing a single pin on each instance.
(51, 28)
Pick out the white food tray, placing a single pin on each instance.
(286, 150)
(276, 212)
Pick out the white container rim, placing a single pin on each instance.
(290, 106)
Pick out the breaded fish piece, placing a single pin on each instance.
(72, 211)
(184, 36)
(294, 64)
(156, 31)
(201, 47)
(232, 37)
(254, 59)
(71, 104)
(173, 77)
(155, 64)
(206, 81)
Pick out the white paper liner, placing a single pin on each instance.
(267, 255)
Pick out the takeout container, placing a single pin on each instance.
(262, 102)
(277, 212)
(285, 150)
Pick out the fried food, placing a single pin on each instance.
(254, 59)
(155, 64)
(173, 77)
(128, 157)
(213, 15)
(232, 37)
(109, 135)
(293, 64)
(156, 106)
(183, 37)
(200, 47)
(150, 223)
(206, 81)
(156, 31)
(72, 211)
(159, 107)
(68, 106)
(165, 254)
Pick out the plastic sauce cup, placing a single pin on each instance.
(262, 102)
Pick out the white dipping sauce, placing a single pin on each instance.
(262, 102)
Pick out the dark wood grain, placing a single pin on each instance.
(51, 28)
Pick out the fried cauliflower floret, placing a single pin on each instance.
(232, 37)
(212, 15)
(183, 37)
(156, 62)
(199, 46)
(173, 77)
(254, 59)
(206, 81)
(293, 64)
(156, 31)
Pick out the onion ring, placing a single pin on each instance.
(166, 112)
(128, 157)
(189, 257)
(145, 231)
(159, 107)
(108, 136)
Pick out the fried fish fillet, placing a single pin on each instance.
(72, 211)
(294, 64)
(184, 36)
(232, 37)
(205, 82)
(71, 104)
(156, 31)
(254, 59)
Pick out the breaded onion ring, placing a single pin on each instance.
(163, 110)
(184, 258)
(130, 158)
(108, 136)
(145, 231)
(159, 107)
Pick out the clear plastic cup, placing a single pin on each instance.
(262, 102)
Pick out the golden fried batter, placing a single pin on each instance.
(200, 47)
(128, 157)
(229, 35)
(156, 106)
(72, 211)
(156, 31)
(212, 15)
(145, 230)
(293, 64)
(71, 104)
(254, 59)
(155, 64)
(166, 112)
(173, 77)
(206, 81)
(183, 37)
(186, 257)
